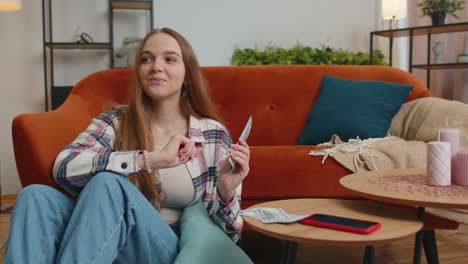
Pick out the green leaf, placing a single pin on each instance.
(300, 54)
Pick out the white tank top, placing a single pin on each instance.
(180, 192)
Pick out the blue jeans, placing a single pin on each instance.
(112, 222)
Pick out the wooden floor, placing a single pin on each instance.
(452, 247)
(7, 201)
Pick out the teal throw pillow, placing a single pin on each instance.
(353, 108)
(202, 241)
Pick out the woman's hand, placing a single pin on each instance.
(230, 179)
(178, 151)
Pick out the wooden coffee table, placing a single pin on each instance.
(408, 187)
(396, 223)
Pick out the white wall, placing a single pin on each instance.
(21, 79)
(214, 28)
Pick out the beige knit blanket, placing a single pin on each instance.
(375, 153)
(414, 125)
(420, 119)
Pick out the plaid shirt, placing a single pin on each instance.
(93, 152)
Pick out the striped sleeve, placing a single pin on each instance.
(226, 215)
(92, 152)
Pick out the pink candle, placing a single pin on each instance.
(461, 171)
(452, 136)
(438, 163)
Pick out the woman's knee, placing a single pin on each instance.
(36, 191)
(106, 181)
(106, 178)
(42, 195)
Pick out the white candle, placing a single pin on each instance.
(461, 172)
(438, 163)
(452, 136)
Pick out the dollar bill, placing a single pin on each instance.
(271, 215)
(244, 135)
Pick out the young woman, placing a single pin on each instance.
(135, 169)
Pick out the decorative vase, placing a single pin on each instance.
(131, 59)
(438, 19)
(439, 50)
(132, 52)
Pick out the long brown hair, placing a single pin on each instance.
(134, 132)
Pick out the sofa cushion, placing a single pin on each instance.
(200, 236)
(353, 108)
(281, 172)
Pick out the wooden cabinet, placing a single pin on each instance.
(426, 31)
(55, 95)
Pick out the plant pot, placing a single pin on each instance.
(462, 59)
(438, 19)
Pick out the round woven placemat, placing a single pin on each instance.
(418, 184)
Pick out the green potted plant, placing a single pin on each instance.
(439, 9)
(299, 54)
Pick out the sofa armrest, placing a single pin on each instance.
(39, 137)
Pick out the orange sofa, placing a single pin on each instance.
(278, 97)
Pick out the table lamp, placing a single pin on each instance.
(10, 5)
(393, 10)
(7, 5)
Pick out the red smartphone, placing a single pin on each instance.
(341, 223)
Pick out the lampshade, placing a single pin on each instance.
(393, 9)
(10, 5)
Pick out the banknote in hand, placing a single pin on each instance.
(244, 135)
